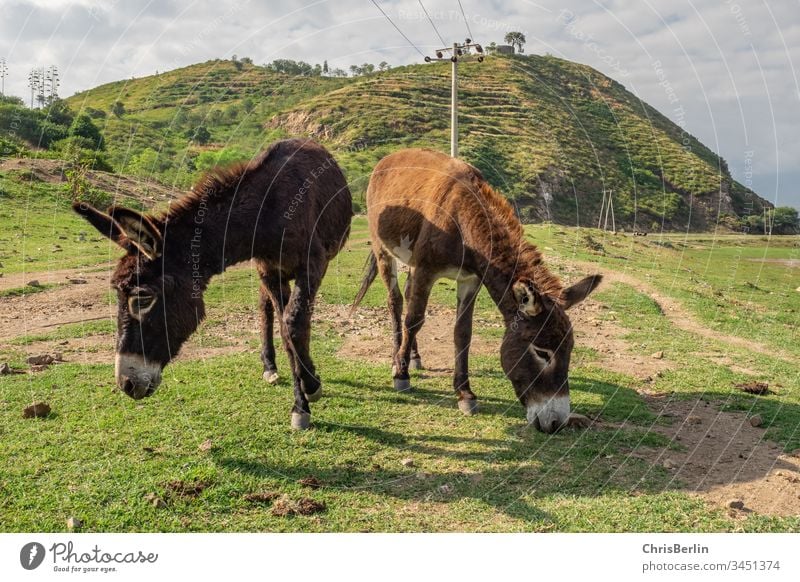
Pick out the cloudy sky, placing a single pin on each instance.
(723, 68)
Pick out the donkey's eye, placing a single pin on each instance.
(543, 355)
(139, 305)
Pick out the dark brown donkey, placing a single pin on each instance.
(439, 216)
(288, 209)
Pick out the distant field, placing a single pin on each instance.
(680, 321)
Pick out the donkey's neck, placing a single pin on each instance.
(507, 264)
(207, 236)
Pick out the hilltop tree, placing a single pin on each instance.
(296, 68)
(517, 40)
(383, 66)
(118, 109)
(325, 67)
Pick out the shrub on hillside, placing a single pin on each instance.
(84, 127)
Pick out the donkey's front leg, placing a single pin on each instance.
(467, 291)
(267, 333)
(418, 294)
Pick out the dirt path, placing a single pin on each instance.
(679, 315)
(56, 276)
(46, 310)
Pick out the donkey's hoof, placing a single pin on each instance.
(402, 384)
(316, 395)
(301, 420)
(415, 364)
(270, 377)
(468, 406)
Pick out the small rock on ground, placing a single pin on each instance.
(756, 420)
(36, 410)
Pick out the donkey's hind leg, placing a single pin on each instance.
(467, 291)
(267, 335)
(415, 363)
(387, 267)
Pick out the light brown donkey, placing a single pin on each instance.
(440, 217)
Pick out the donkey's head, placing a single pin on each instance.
(536, 350)
(158, 307)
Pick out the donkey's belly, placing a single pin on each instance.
(457, 274)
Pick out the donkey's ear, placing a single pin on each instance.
(139, 229)
(579, 291)
(528, 299)
(100, 220)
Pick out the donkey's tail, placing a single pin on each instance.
(370, 272)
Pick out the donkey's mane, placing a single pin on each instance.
(524, 259)
(217, 184)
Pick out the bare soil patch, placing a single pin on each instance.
(44, 311)
(367, 336)
(723, 458)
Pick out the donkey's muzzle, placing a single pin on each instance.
(549, 413)
(136, 391)
(136, 377)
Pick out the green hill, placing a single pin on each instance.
(549, 133)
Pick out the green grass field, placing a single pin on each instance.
(99, 454)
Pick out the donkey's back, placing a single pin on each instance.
(300, 180)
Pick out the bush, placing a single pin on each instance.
(199, 135)
(118, 109)
(77, 150)
(83, 126)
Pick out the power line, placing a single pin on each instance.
(436, 30)
(398, 29)
(465, 20)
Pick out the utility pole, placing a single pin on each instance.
(3, 73)
(458, 52)
(606, 207)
